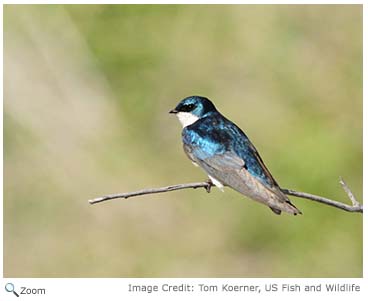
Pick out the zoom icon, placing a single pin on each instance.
(9, 287)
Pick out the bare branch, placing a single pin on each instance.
(356, 207)
(206, 185)
(349, 193)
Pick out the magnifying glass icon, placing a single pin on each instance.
(9, 287)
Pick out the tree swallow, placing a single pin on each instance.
(226, 154)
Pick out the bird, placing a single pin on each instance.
(225, 153)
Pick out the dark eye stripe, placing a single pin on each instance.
(187, 108)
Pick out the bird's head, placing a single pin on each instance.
(192, 108)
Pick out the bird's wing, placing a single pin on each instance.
(243, 147)
(202, 141)
(224, 161)
(264, 175)
(230, 170)
(227, 146)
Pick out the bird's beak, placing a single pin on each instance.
(173, 111)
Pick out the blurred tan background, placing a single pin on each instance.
(87, 90)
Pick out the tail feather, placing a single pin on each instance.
(296, 210)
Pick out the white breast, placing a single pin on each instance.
(186, 118)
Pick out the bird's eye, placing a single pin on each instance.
(188, 107)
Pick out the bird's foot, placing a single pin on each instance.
(209, 186)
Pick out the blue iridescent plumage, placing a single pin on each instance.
(224, 151)
(216, 135)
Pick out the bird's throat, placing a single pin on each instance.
(186, 118)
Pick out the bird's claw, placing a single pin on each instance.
(209, 185)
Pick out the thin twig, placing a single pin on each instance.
(356, 207)
(206, 185)
(349, 193)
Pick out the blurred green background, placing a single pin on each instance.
(87, 90)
